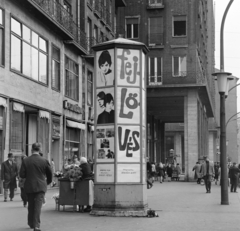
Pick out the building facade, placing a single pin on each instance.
(46, 75)
(181, 91)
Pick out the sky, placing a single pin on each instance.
(231, 39)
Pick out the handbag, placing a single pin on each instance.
(202, 182)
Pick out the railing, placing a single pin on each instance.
(103, 13)
(90, 3)
(91, 41)
(108, 18)
(57, 12)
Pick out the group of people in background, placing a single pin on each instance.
(208, 171)
(160, 172)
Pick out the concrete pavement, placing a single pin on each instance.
(180, 205)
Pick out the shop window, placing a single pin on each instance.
(72, 143)
(90, 88)
(179, 26)
(1, 37)
(71, 79)
(17, 130)
(132, 26)
(56, 68)
(29, 53)
(155, 71)
(179, 66)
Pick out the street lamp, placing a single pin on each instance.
(223, 78)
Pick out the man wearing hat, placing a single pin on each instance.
(9, 173)
(207, 170)
(233, 175)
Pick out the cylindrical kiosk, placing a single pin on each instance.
(120, 128)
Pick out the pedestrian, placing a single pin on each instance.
(9, 172)
(53, 173)
(169, 172)
(21, 183)
(149, 175)
(216, 170)
(160, 170)
(87, 175)
(197, 175)
(233, 175)
(179, 171)
(153, 171)
(207, 170)
(38, 174)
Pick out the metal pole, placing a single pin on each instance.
(223, 157)
(222, 38)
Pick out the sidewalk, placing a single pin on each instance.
(180, 205)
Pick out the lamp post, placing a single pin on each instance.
(223, 78)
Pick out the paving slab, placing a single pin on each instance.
(180, 205)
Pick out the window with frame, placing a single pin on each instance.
(155, 2)
(179, 66)
(67, 6)
(72, 143)
(1, 37)
(155, 71)
(132, 27)
(179, 26)
(29, 52)
(89, 88)
(155, 31)
(71, 79)
(56, 68)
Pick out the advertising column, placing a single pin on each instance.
(120, 121)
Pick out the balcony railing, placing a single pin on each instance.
(108, 18)
(60, 15)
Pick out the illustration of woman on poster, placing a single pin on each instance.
(107, 116)
(105, 73)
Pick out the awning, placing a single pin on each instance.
(3, 102)
(75, 125)
(18, 107)
(44, 114)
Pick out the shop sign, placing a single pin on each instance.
(71, 107)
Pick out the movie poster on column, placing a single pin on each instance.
(128, 143)
(128, 105)
(105, 68)
(105, 106)
(143, 108)
(105, 143)
(128, 67)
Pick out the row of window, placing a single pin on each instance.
(179, 68)
(30, 56)
(156, 28)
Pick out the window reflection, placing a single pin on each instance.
(16, 27)
(42, 45)
(1, 17)
(34, 39)
(43, 68)
(26, 34)
(26, 59)
(34, 64)
(15, 53)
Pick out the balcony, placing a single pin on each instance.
(57, 15)
(155, 39)
(155, 4)
(108, 20)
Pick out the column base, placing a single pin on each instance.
(128, 213)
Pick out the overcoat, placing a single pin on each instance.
(8, 174)
(197, 174)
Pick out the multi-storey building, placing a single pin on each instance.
(180, 36)
(46, 74)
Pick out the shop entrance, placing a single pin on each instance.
(31, 121)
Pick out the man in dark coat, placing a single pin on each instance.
(9, 173)
(233, 175)
(38, 174)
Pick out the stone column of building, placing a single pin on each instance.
(211, 146)
(190, 133)
(178, 148)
